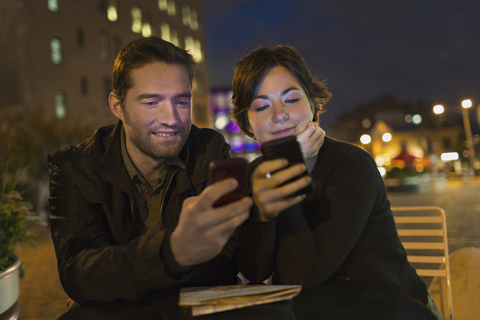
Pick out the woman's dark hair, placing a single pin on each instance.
(251, 70)
(140, 52)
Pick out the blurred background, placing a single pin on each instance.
(405, 78)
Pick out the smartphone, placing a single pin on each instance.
(287, 148)
(229, 168)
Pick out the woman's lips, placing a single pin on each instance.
(284, 131)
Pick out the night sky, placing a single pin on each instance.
(414, 49)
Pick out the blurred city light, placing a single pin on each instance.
(365, 139)
(387, 137)
(467, 103)
(380, 161)
(417, 119)
(382, 171)
(438, 109)
(408, 118)
(449, 156)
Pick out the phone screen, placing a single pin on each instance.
(229, 168)
(287, 148)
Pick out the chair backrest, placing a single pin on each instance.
(423, 232)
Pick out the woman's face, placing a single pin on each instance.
(280, 108)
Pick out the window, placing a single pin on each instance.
(186, 15)
(53, 5)
(146, 26)
(171, 8)
(136, 19)
(104, 46)
(60, 107)
(193, 19)
(189, 45)
(165, 31)
(194, 47)
(174, 37)
(112, 13)
(83, 86)
(197, 53)
(162, 5)
(56, 50)
(80, 37)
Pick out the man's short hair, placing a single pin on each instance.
(140, 52)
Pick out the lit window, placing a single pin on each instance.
(146, 26)
(174, 37)
(104, 46)
(193, 19)
(112, 13)
(165, 31)
(194, 47)
(171, 9)
(186, 15)
(197, 52)
(60, 107)
(136, 19)
(52, 5)
(190, 45)
(162, 5)
(56, 50)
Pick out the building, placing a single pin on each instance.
(58, 54)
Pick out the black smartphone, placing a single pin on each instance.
(287, 148)
(229, 168)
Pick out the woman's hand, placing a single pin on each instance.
(311, 140)
(269, 196)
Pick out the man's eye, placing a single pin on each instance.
(183, 102)
(150, 103)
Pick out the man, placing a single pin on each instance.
(130, 210)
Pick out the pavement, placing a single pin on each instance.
(42, 296)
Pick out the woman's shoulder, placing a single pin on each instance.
(345, 149)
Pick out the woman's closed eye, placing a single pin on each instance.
(262, 108)
(293, 100)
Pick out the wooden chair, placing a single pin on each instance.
(423, 232)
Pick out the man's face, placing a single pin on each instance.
(157, 111)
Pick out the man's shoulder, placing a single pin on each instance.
(205, 139)
(91, 148)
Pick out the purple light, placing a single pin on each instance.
(250, 146)
(237, 146)
(233, 127)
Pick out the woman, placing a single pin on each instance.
(343, 229)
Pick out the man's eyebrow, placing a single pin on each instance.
(284, 92)
(148, 96)
(156, 95)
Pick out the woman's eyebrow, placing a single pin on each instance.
(284, 92)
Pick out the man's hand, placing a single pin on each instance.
(311, 140)
(269, 197)
(202, 230)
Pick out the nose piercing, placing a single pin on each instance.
(286, 116)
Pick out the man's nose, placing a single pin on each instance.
(167, 114)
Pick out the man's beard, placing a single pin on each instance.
(144, 142)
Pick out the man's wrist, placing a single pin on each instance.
(171, 263)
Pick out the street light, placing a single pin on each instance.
(466, 104)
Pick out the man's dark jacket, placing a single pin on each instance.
(96, 228)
